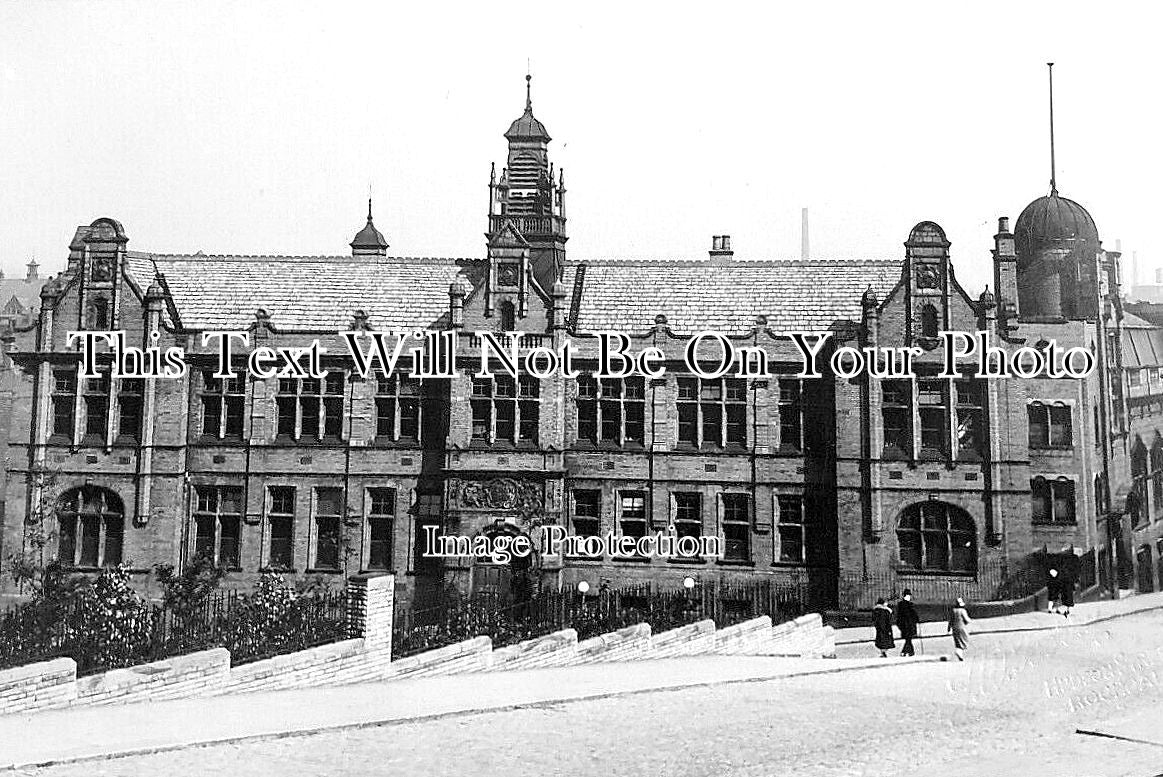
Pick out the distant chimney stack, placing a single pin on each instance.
(805, 251)
(32, 272)
(721, 247)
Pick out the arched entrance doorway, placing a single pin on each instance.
(508, 582)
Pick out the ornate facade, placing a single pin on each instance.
(842, 485)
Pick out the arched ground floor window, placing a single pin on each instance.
(936, 536)
(91, 522)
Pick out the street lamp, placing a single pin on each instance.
(688, 583)
(583, 587)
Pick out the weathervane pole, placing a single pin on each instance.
(1053, 181)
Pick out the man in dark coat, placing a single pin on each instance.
(882, 622)
(906, 621)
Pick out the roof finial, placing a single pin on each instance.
(369, 210)
(1053, 179)
(528, 88)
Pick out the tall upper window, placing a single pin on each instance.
(223, 403)
(610, 410)
(934, 417)
(504, 410)
(971, 440)
(688, 514)
(381, 521)
(92, 527)
(736, 527)
(508, 317)
(929, 321)
(1050, 426)
(129, 399)
(937, 536)
(632, 513)
(64, 399)
(800, 531)
(398, 409)
(791, 414)
(587, 512)
(217, 524)
(328, 520)
(712, 412)
(281, 527)
(310, 409)
(96, 400)
(1052, 501)
(896, 410)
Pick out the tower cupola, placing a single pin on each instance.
(369, 241)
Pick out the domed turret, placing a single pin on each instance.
(1056, 239)
(368, 241)
(526, 127)
(1051, 220)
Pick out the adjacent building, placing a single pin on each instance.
(848, 487)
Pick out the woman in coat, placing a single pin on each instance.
(906, 621)
(959, 627)
(882, 622)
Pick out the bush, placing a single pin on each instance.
(110, 626)
(184, 594)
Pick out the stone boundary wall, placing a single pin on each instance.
(333, 664)
(743, 639)
(54, 684)
(690, 640)
(174, 678)
(623, 644)
(38, 686)
(556, 649)
(472, 655)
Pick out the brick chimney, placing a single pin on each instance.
(721, 247)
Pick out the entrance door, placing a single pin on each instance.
(504, 583)
(1146, 570)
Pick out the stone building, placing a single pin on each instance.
(850, 487)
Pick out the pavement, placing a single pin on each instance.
(1084, 614)
(116, 731)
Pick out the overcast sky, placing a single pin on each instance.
(250, 127)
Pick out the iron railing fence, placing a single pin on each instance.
(38, 630)
(594, 613)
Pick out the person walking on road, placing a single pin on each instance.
(906, 621)
(959, 627)
(1066, 595)
(1053, 591)
(882, 622)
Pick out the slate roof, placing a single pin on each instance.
(322, 293)
(803, 295)
(313, 293)
(26, 293)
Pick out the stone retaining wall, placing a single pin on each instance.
(54, 684)
(556, 649)
(38, 686)
(174, 678)
(621, 645)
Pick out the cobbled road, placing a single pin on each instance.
(1011, 708)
